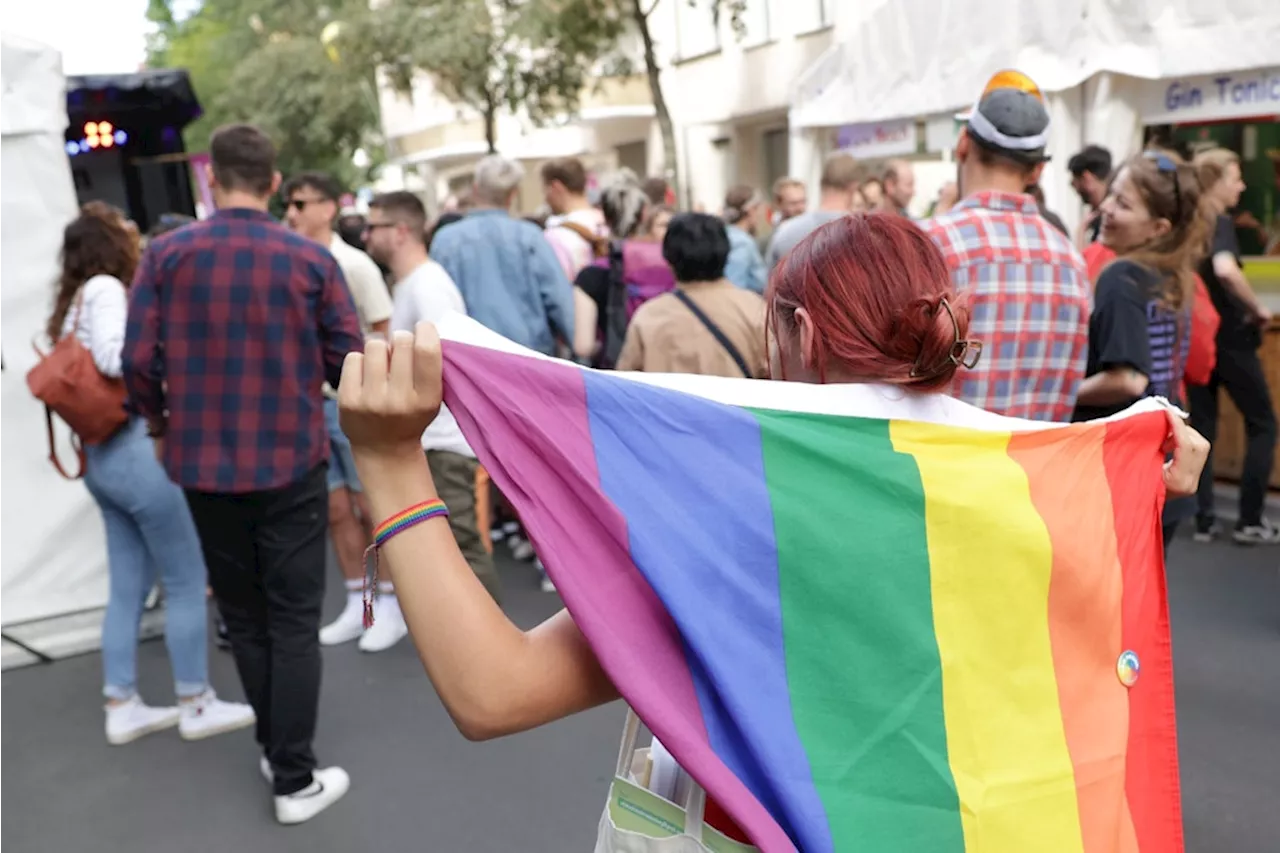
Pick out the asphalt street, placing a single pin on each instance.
(418, 786)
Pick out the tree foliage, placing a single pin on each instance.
(265, 62)
(533, 58)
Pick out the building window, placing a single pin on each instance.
(755, 22)
(696, 30)
(805, 16)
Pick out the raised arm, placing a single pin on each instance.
(493, 678)
(142, 363)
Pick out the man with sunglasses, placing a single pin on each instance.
(1027, 284)
(312, 206)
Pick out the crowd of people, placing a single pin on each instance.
(249, 445)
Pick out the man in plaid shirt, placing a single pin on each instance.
(1027, 284)
(234, 325)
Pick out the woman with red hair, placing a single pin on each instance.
(864, 299)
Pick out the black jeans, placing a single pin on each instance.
(1239, 371)
(266, 557)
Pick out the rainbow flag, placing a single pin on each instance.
(862, 620)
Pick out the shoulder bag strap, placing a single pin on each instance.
(53, 448)
(715, 331)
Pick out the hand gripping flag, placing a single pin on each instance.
(862, 620)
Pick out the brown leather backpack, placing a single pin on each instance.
(69, 384)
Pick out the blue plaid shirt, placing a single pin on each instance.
(234, 325)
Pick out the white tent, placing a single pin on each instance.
(53, 559)
(913, 59)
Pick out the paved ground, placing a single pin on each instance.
(417, 785)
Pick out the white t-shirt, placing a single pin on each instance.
(429, 294)
(100, 320)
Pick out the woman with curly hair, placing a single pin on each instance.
(149, 528)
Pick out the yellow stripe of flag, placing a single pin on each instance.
(990, 560)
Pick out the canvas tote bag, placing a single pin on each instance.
(636, 820)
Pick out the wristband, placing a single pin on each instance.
(384, 533)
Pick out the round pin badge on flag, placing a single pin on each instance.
(1128, 667)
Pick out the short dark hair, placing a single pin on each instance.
(321, 182)
(696, 246)
(840, 172)
(568, 171)
(243, 158)
(1093, 159)
(405, 208)
(656, 189)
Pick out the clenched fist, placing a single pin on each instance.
(390, 394)
(1190, 450)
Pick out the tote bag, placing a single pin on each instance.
(636, 820)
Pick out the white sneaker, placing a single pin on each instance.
(545, 582)
(326, 788)
(207, 715)
(521, 548)
(264, 767)
(347, 627)
(131, 720)
(1263, 533)
(388, 627)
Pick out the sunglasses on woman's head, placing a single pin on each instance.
(1165, 164)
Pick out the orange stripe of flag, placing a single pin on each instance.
(1070, 492)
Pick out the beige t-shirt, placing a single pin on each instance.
(364, 280)
(368, 291)
(666, 337)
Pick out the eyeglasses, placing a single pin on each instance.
(1165, 164)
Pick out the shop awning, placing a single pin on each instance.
(914, 58)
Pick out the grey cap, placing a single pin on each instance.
(1013, 123)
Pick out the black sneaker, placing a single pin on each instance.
(1206, 531)
(1262, 533)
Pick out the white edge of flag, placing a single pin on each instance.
(886, 402)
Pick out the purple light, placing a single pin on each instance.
(121, 137)
(73, 148)
(84, 145)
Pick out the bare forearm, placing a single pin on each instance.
(493, 678)
(1112, 387)
(1238, 286)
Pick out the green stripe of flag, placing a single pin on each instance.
(862, 659)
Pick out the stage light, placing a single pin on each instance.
(107, 141)
(93, 141)
(105, 128)
(90, 128)
(73, 148)
(84, 145)
(121, 137)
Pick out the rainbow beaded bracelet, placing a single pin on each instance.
(382, 534)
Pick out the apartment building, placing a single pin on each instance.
(728, 93)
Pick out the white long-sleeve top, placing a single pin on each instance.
(99, 323)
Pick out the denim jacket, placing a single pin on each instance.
(509, 277)
(744, 267)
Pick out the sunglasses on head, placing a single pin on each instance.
(1164, 163)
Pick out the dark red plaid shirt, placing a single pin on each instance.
(234, 325)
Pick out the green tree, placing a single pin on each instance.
(265, 62)
(535, 56)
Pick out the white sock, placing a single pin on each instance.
(387, 597)
(355, 595)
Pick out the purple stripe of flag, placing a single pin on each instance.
(503, 400)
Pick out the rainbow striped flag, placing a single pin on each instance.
(862, 619)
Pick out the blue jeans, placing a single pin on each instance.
(149, 533)
(342, 465)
